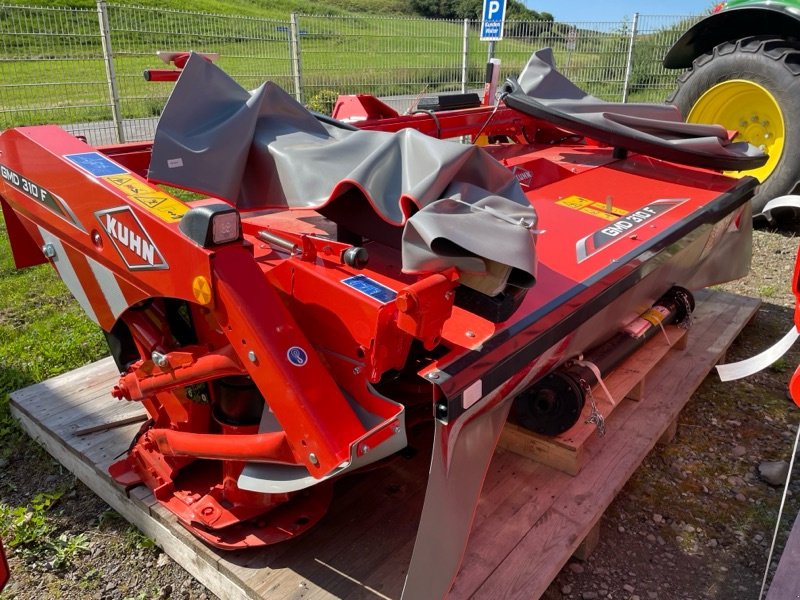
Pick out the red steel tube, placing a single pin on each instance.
(259, 447)
(161, 75)
(133, 386)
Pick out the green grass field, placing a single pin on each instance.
(276, 9)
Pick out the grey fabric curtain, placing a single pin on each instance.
(452, 204)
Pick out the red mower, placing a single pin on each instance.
(336, 282)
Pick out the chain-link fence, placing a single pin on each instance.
(52, 69)
(82, 68)
(251, 50)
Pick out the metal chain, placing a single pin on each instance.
(688, 320)
(595, 416)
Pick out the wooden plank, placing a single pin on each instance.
(530, 518)
(342, 554)
(71, 384)
(669, 433)
(105, 411)
(566, 451)
(98, 406)
(371, 515)
(101, 450)
(785, 583)
(626, 378)
(57, 406)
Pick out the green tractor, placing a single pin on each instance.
(743, 72)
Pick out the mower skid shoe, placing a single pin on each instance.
(274, 478)
(280, 524)
(124, 474)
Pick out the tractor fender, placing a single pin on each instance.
(732, 24)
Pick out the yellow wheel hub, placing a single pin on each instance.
(749, 109)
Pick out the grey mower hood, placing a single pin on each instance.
(451, 204)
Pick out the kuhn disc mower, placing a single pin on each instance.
(336, 285)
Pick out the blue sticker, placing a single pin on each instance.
(297, 356)
(95, 163)
(371, 288)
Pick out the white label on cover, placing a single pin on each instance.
(472, 394)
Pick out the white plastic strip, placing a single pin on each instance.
(790, 201)
(758, 362)
(593, 368)
(664, 331)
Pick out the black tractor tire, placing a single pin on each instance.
(775, 65)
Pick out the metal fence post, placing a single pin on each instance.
(629, 60)
(294, 55)
(111, 77)
(465, 58)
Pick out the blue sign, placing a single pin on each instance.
(371, 288)
(95, 164)
(297, 356)
(494, 15)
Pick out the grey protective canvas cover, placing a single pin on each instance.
(654, 129)
(455, 204)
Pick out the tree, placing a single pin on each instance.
(471, 9)
(435, 9)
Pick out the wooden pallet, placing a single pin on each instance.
(567, 451)
(529, 520)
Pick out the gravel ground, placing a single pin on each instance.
(695, 521)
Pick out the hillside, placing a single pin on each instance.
(449, 9)
(253, 8)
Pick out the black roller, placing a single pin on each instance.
(550, 406)
(554, 403)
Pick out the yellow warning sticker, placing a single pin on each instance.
(590, 207)
(574, 202)
(655, 315)
(159, 203)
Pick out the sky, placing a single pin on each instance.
(616, 10)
